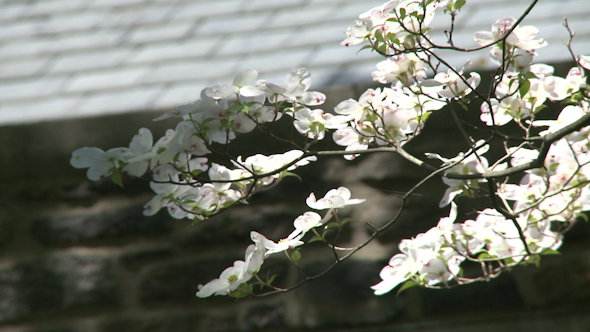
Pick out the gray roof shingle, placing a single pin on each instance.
(72, 58)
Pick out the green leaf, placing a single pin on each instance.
(242, 291)
(459, 4)
(364, 48)
(197, 219)
(583, 216)
(237, 294)
(332, 225)
(240, 185)
(117, 178)
(271, 279)
(524, 87)
(402, 12)
(196, 172)
(346, 221)
(425, 116)
(406, 285)
(550, 252)
(227, 204)
(540, 108)
(235, 107)
(296, 255)
(316, 238)
(285, 174)
(484, 255)
(379, 37)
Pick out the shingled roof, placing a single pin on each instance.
(77, 58)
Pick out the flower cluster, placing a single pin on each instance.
(176, 163)
(242, 271)
(528, 218)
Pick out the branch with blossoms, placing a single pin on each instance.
(534, 192)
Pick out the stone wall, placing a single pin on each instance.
(79, 256)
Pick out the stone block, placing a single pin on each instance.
(562, 280)
(60, 281)
(7, 229)
(136, 258)
(111, 223)
(264, 316)
(86, 276)
(162, 324)
(178, 280)
(177, 320)
(64, 329)
(343, 297)
(28, 288)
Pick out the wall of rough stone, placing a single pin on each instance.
(79, 256)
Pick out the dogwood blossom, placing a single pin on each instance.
(521, 37)
(334, 199)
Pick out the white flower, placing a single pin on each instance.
(567, 116)
(140, 144)
(521, 37)
(99, 163)
(229, 280)
(304, 223)
(272, 247)
(335, 198)
(584, 61)
(454, 86)
(310, 123)
(282, 245)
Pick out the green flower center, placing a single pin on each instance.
(233, 278)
